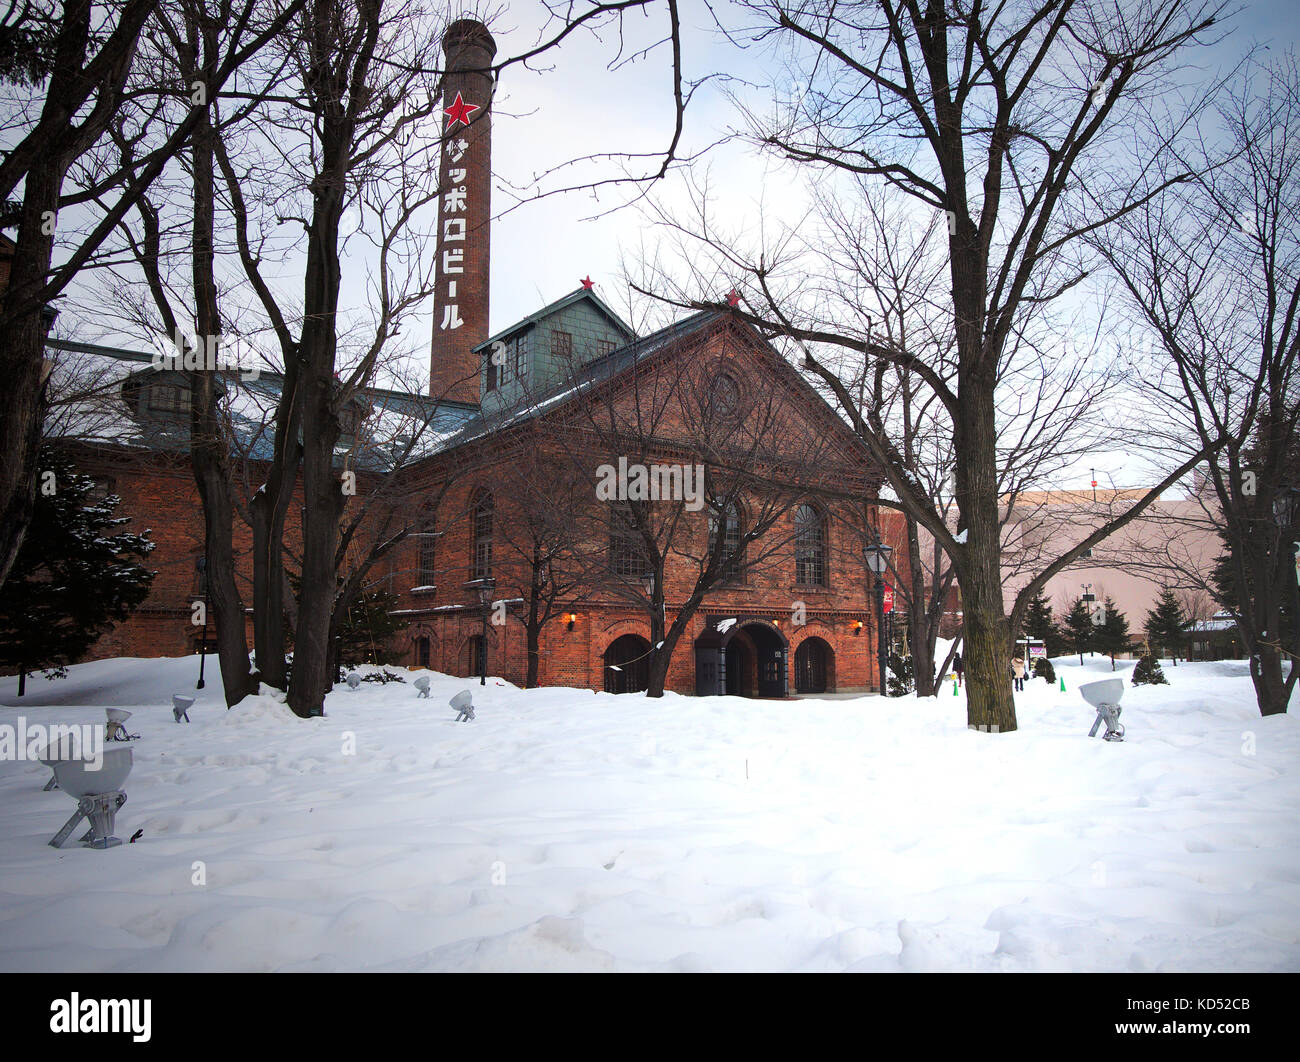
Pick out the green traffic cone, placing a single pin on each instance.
(954, 687)
(1062, 683)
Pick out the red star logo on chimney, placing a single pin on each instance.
(588, 283)
(733, 297)
(460, 112)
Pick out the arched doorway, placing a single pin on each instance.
(814, 667)
(627, 664)
(746, 658)
(472, 660)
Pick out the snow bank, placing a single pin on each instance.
(571, 830)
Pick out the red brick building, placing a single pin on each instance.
(526, 425)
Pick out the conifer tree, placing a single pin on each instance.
(1166, 626)
(1148, 672)
(1113, 635)
(1040, 624)
(1079, 630)
(74, 577)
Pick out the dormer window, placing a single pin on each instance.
(169, 396)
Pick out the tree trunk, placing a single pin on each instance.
(209, 452)
(22, 360)
(990, 705)
(311, 679)
(534, 657)
(268, 508)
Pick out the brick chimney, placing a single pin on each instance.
(460, 302)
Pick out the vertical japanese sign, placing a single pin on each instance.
(453, 216)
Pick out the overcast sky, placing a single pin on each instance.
(579, 103)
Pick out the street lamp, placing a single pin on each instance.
(1286, 507)
(877, 557)
(648, 583)
(1286, 511)
(485, 588)
(202, 563)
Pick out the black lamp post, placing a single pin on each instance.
(485, 588)
(877, 557)
(1286, 512)
(203, 638)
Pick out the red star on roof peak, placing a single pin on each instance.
(733, 297)
(588, 283)
(460, 112)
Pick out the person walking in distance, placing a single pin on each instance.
(1018, 672)
(958, 668)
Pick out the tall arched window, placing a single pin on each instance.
(809, 547)
(733, 555)
(481, 563)
(626, 553)
(428, 555)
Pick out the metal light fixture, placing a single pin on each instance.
(1286, 506)
(571, 619)
(485, 587)
(648, 583)
(877, 558)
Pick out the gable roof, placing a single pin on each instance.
(580, 295)
(611, 366)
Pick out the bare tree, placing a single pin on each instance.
(1008, 123)
(1215, 274)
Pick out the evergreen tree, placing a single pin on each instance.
(1166, 626)
(1040, 624)
(1148, 672)
(900, 675)
(1113, 635)
(364, 632)
(368, 628)
(73, 578)
(1079, 630)
(1043, 669)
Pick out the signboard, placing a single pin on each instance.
(1036, 651)
(889, 599)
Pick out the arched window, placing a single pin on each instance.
(422, 651)
(626, 556)
(428, 555)
(809, 547)
(733, 554)
(481, 564)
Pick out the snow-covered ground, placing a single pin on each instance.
(567, 830)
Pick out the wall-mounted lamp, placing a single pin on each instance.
(857, 627)
(571, 619)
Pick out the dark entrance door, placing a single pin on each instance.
(627, 665)
(739, 661)
(770, 648)
(810, 666)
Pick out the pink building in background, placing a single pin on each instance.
(1172, 543)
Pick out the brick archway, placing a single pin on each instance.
(423, 648)
(824, 633)
(466, 660)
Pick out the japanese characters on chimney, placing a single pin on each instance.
(460, 301)
(454, 214)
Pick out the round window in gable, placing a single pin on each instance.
(724, 397)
